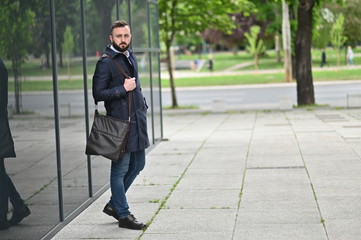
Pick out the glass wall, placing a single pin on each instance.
(50, 49)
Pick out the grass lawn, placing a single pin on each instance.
(222, 61)
(348, 74)
(28, 86)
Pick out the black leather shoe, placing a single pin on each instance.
(4, 225)
(110, 211)
(131, 222)
(19, 214)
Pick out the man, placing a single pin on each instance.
(7, 188)
(323, 57)
(110, 86)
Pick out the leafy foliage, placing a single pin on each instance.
(265, 13)
(255, 45)
(321, 32)
(182, 18)
(337, 36)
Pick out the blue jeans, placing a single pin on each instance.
(7, 191)
(122, 175)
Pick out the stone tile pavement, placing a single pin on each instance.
(244, 175)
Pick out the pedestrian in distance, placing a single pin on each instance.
(210, 64)
(323, 57)
(110, 86)
(349, 56)
(7, 150)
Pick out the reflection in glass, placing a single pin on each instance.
(123, 10)
(99, 20)
(157, 106)
(73, 159)
(154, 35)
(143, 69)
(139, 23)
(154, 43)
(33, 171)
(27, 53)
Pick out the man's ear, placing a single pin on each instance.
(111, 38)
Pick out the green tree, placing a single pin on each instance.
(338, 38)
(265, 15)
(352, 12)
(66, 14)
(68, 46)
(321, 33)
(15, 38)
(41, 33)
(255, 45)
(186, 17)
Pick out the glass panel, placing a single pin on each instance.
(123, 10)
(154, 35)
(71, 104)
(143, 70)
(31, 118)
(31, 101)
(139, 23)
(156, 97)
(98, 17)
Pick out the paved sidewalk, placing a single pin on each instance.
(250, 176)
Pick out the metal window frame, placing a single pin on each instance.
(64, 220)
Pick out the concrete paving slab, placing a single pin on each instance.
(277, 206)
(203, 199)
(211, 180)
(274, 162)
(147, 193)
(338, 229)
(246, 231)
(279, 217)
(193, 221)
(330, 187)
(224, 169)
(347, 207)
(293, 168)
(188, 236)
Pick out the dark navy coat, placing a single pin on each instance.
(108, 87)
(6, 140)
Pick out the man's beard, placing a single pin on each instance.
(120, 49)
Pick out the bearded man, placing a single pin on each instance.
(110, 86)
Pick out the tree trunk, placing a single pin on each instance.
(60, 52)
(286, 34)
(256, 62)
(171, 79)
(305, 92)
(47, 64)
(277, 48)
(292, 16)
(339, 57)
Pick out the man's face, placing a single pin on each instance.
(120, 38)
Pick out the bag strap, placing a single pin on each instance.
(120, 68)
(126, 75)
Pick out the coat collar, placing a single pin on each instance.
(113, 54)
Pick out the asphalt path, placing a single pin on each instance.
(240, 97)
(265, 96)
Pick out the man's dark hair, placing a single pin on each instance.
(118, 23)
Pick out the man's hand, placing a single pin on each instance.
(129, 84)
